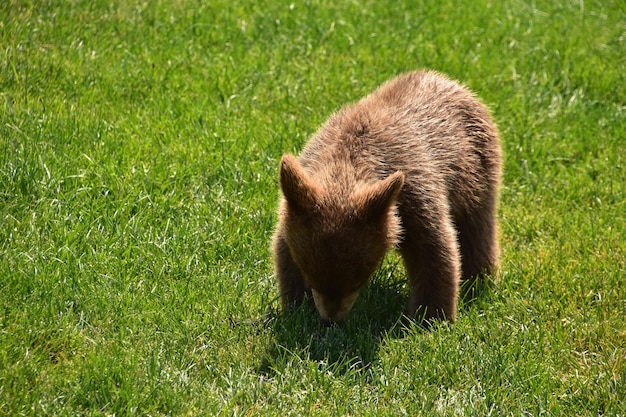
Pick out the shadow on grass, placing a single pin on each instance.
(299, 335)
(379, 313)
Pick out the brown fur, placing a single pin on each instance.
(415, 165)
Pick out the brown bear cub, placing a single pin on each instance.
(415, 165)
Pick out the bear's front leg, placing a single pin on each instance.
(433, 267)
(291, 284)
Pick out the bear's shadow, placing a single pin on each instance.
(378, 313)
(299, 333)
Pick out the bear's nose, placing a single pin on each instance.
(327, 322)
(333, 309)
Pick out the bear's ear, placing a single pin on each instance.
(297, 188)
(377, 199)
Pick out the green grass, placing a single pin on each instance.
(139, 144)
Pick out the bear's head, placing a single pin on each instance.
(337, 237)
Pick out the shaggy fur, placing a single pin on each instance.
(415, 165)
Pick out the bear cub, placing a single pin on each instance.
(416, 166)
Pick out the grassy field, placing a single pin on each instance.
(139, 145)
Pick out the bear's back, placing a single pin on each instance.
(423, 124)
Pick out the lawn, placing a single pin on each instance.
(139, 149)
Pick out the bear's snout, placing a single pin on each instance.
(333, 309)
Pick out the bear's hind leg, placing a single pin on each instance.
(478, 242)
